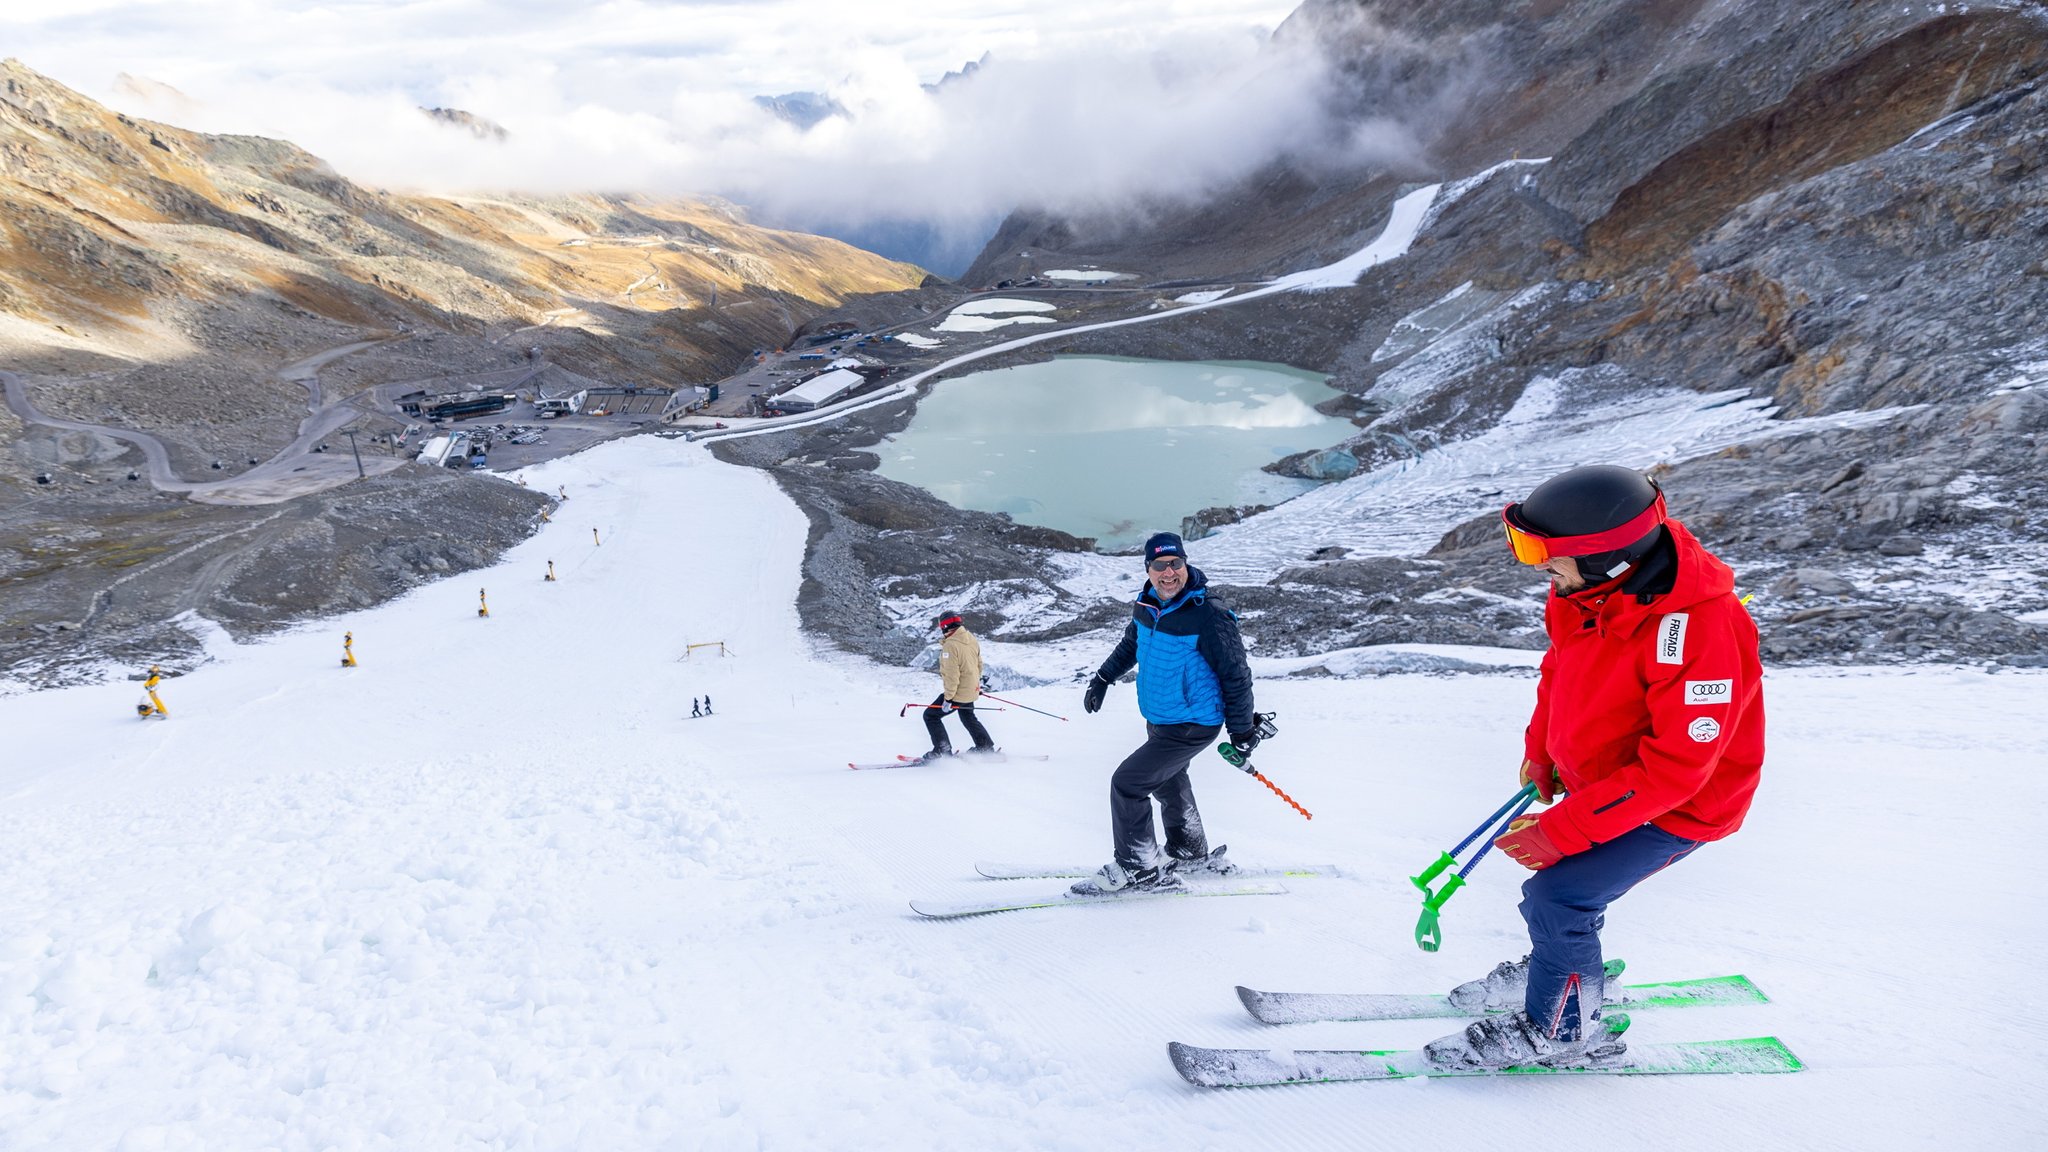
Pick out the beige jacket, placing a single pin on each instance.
(960, 665)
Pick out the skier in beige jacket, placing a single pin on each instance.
(960, 686)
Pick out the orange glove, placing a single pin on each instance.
(1544, 777)
(1525, 841)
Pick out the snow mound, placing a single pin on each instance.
(988, 315)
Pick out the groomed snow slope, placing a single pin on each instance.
(494, 890)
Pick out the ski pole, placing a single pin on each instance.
(1263, 725)
(1026, 707)
(905, 710)
(1255, 774)
(1428, 928)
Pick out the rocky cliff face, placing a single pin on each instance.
(1841, 208)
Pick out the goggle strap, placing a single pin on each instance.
(1618, 537)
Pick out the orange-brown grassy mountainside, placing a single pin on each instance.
(160, 282)
(126, 242)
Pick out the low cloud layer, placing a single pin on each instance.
(1080, 108)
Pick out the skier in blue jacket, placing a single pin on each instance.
(1193, 682)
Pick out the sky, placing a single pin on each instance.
(1080, 106)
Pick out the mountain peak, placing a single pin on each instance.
(475, 125)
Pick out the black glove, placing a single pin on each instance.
(984, 684)
(1244, 742)
(1091, 700)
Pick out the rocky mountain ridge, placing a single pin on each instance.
(1836, 208)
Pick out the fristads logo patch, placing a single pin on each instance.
(1706, 730)
(1671, 638)
(1709, 691)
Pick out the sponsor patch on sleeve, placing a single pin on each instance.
(1706, 730)
(1671, 638)
(1709, 691)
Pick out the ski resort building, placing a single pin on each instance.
(819, 390)
(549, 407)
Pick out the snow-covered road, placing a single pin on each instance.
(493, 889)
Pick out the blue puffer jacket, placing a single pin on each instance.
(1190, 659)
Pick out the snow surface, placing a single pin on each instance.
(1086, 275)
(1404, 508)
(1403, 224)
(493, 889)
(917, 341)
(958, 323)
(986, 315)
(998, 304)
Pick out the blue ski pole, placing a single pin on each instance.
(1428, 931)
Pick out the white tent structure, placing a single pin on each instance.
(819, 390)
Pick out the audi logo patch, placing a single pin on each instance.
(1709, 691)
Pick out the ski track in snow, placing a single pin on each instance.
(493, 890)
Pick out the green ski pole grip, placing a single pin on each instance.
(1432, 872)
(1450, 886)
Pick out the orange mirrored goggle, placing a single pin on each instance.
(1532, 547)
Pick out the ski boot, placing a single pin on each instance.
(1212, 864)
(1508, 985)
(936, 754)
(988, 750)
(1512, 1040)
(1114, 878)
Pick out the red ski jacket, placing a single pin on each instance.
(1652, 713)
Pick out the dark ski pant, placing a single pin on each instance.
(1158, 770)
(1566, 906)
(935, 723)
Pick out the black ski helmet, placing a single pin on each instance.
(1594, 500)
(948, 621)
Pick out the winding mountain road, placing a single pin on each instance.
(296, 470)
(1405, 220)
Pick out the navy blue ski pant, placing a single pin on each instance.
(1566, 906)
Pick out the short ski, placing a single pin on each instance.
(898, 762)
(1063, 871)
(939, 910)
(1313, 1007)
(1247, 1067)
(968, 757)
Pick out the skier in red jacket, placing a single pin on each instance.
(1648, 734)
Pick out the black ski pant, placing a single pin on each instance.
(935, 723)
(1158, 770)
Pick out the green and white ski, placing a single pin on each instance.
(1318, 1007)
(1250, 1067)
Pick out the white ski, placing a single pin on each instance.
(939, 910)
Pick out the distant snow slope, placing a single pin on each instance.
(986, 315)
(1404, 508)
(493, 889)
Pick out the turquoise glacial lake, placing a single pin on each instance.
(1112, 448)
